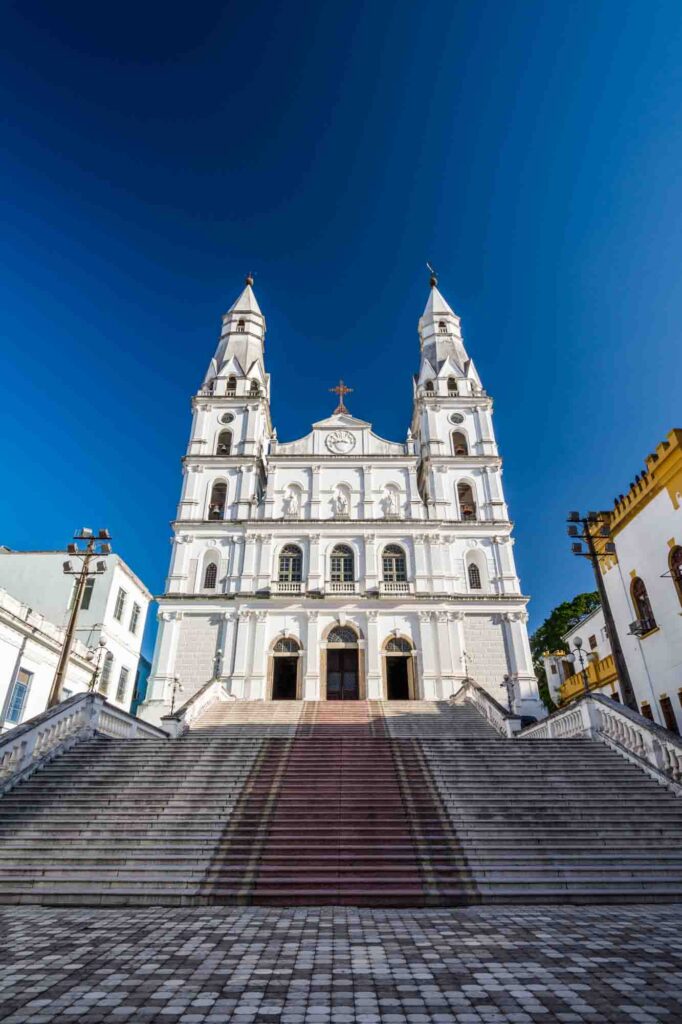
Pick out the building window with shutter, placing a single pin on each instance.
(122, 685)
(135, 617)
(105, 677)
(18, 697)
(120, 604)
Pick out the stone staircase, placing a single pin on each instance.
(363, 803)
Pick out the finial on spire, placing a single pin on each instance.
(341, 390)
(433, 280)
(249, 280)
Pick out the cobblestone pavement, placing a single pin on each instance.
(341, 965)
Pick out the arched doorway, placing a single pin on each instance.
(343, 668)
(286, 660)
(398, 669)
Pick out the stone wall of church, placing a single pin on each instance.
(196, 652)
(486, 652)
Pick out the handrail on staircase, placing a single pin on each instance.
(179, 722)
(38, 740)
(503, 721)
(594, 716)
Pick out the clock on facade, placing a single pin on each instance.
(340, 442)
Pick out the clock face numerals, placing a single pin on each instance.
(340, 442)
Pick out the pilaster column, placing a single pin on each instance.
(427, 646)
(238, 545)
(311, 676)
(270, 490)
(228, 635)
(250, 552)
(192, 498)
(257, 683)
(494, 497)
(264, 569)
(445, 661)
(371, 570)
(448, 569)
(436, 563)
(176, 581)
(163, 669)
(439, 501)
(246, 491)
(527, 699)
(421, 578)
(315, 492)
(315, 581)
(368, 493)
(241, 652)
(415, 504)
(457, 646)
(507, 580)
(374, 682)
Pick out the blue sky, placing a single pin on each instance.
(153, 154)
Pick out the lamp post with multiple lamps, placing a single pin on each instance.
(579, 657)
(585, 529)
(94, 547)
(98, 662)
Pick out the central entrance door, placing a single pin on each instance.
(342, 674)
(285, 672)
(397, 679)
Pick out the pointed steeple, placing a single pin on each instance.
(242, 339)
(440, 333)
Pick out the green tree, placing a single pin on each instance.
(548, 636)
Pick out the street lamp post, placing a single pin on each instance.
(94, 547)
(581, 658)
(508, 685)
(98, 664)
(586, 528)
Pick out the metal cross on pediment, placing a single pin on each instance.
(341, 390)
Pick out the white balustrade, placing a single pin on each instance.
(500, 719)
(341, 587)
(651, 747)
(287, 587)
(180, 721)
(395, 587)
(34, 743)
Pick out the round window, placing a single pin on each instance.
(457, 418)
(226, 417)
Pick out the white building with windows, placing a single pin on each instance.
(29, 651)
(113, 610)
(341, 565)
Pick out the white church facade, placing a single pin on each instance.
(341, 566)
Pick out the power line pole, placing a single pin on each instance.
(95, 547)
(597, 524)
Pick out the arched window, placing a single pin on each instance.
(286, 645)
(398, 645)
(241, 326)
(675, 562)
(255, 388)
(210, 576)
(459, 444)
(452, 386)
(467, 502)
(428, 387)
(209, 386)
(474, 574)
(290, 564)
(442, 327)
(342, 635)
(393, 564)
(342, 565)
(105, 676)
(231, 385)
(224, 445)
(640, 599)
(216, 506)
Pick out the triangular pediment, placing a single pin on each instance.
(426, 372)
(231, 368)
(450, 368)
(341, 420)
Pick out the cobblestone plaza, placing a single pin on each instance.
(342, 965)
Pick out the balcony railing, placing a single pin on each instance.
(640, 627)
(395, 587)
(342, 587)
(599, 673)
(288, 586)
